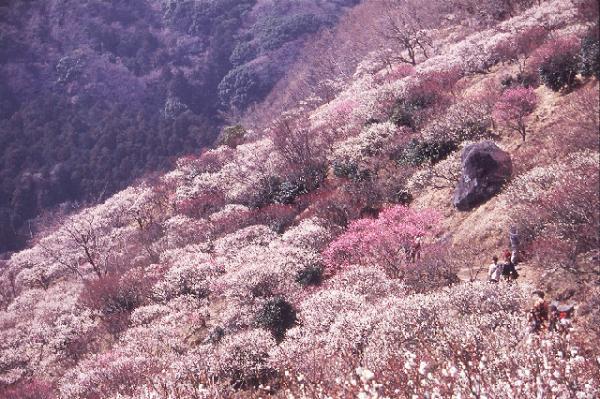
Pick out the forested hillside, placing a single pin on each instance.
(96, 93)
(412, 213)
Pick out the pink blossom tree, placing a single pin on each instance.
(387, 242)
(512, 108)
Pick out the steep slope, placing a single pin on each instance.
(322, 256)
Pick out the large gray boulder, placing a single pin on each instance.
(485, 168)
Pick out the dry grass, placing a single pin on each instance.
(483, 231)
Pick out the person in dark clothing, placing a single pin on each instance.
(553, 317)
(509, 271)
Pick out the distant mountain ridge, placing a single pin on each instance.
(96, 93)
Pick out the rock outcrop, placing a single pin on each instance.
(485, 168)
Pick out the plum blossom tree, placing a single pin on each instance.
(243, 358)
(520, 47)
(555, 209)
(361, 157)
(513, 107)
(581, 121)
(232, 279)
(385, 242)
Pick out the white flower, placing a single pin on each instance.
(453, 371)
(365, 374)
(422, 367)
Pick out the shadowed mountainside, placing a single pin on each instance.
(94, 93)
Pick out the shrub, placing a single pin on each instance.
(419, 152)
(557, 62)
(232, 136)
(288, 191)
(406, 112)
(590, 56)
(512, 108)
(311, 275)
(349, 170)
(284, 192)
(277, 316)
(402, 196)
(525, 79)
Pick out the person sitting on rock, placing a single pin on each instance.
(495, 270)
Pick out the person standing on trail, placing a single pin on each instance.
(513, 238)
(509, 271)
(415, 250)
(507, 256)
(495, 270)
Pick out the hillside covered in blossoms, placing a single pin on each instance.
(341, 238)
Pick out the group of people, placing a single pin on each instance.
(506, 269)
(542, 316)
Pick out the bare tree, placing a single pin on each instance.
(296, 142)
(407, 25)
(81, 242)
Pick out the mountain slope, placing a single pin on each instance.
(322, 256)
